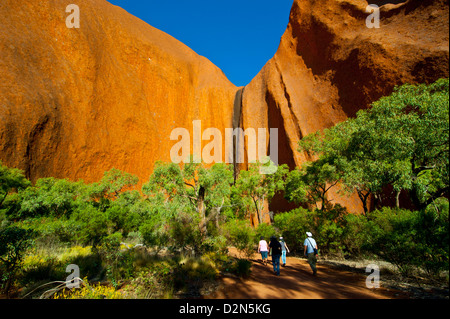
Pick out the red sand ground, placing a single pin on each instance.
(297, 282)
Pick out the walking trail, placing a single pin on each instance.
(297, 282)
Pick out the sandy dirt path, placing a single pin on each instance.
(297, 282)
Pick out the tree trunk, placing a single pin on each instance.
(363, 198)
(258, 215)
(397, 199)
(201, 210)
(3, 199)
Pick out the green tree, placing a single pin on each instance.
(110, 186)
(401, 141)
(311, 183)
(93, 223)
(257, 188)
(50, 196)
(242, 236)
(293, 225)
(14, 241)
(189, 193)
(11, 179)
(165, 195)
(183, 201)
(208, 189)
(128, 212)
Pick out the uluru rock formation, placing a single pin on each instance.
(330, 64)
(77, 102)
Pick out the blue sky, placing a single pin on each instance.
(237, 36)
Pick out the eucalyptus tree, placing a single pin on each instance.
(401, 141)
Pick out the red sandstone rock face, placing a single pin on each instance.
(329, 65)
(77, 102)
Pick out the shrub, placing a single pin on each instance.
(112, 256)
(241, 267)
(329, 228)
(52, 232)
(354, 235)
(154, 234)
(197, 269)
(293, 225)
(88, 291)
(329, 237)
(391, 237)
(156, 281)
(14, 242)
(123, 219)
(41, 268)
(433, 236)
(242, 236)
(409, 239)
(214, 244)
(266, 231)
(93, 225)
(184, 232)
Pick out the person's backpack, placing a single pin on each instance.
(276, 249)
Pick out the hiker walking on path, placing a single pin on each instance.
(263, 249)
(311, 251)
(275, 247)
(284, 248)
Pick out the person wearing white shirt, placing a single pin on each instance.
(264, 250)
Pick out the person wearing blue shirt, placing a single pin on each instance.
(311, 251)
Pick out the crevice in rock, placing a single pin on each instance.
(237, 115)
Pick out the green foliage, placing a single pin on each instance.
(242, 236)
(113, 257)
(93, 223)
(113, 183)
(327, 227)
(266, 231)
(190, 190)
(154, 234)
(255, 188)
(215, 244)
(331, 225)
(401, 141)
(241, 267)
(354, 235)
(11, 179)
(127, 212)
(50, 197)
(311, 183)
(293, 225)
(433, 236)
(14, 242)
(296, 189)
(409, 239)
(184, 232)
(51, 231)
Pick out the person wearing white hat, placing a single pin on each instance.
(311, 251)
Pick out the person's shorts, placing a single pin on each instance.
(264, 254)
